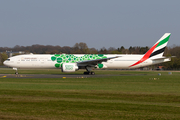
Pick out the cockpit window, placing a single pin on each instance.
(8, 60)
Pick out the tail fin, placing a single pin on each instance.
(156, 51)
(159, 46)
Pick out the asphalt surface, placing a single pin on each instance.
(50, 76)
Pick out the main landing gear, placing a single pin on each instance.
(89, 72)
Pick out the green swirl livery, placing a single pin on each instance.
(70, 58)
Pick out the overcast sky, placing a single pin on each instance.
(98, 23)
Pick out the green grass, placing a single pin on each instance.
(142, 95)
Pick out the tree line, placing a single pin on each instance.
(82, 48)
(78, 48)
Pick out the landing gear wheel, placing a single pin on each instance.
(16, 73)
(86, 73)
(92, 73)
(89, 73)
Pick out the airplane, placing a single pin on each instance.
(74, 62)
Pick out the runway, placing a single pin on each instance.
(60, 75)
(50, 76)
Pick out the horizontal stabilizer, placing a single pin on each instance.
(160, 60)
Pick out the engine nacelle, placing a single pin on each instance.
(69, 67)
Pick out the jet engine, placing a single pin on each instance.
(69, 67)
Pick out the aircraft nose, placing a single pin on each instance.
(5, 63)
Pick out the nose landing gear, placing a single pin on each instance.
(16, 71)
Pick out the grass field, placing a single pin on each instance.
(136, 95)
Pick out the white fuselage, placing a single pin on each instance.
(44, 61)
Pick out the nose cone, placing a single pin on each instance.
(5, 63)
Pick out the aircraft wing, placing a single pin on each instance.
(96, 61)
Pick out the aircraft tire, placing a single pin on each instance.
(89, 73)
(86, 73)
(92, 73)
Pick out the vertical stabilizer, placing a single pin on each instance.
(160, 46)
(156, 51)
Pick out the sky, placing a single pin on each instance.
(98, 23)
